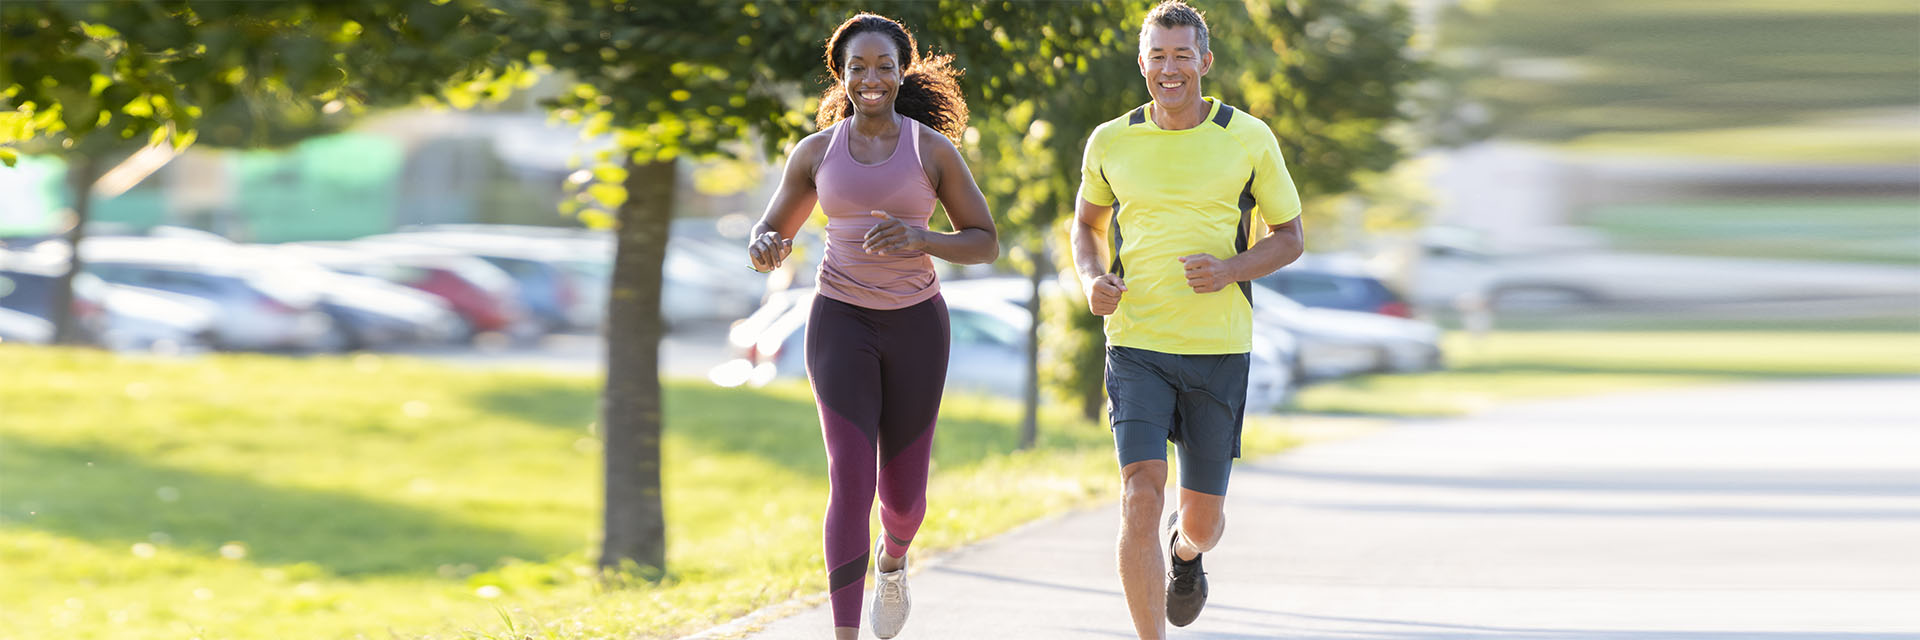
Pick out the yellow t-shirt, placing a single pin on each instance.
(1178, 193)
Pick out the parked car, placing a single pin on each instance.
(27, 281)
(140, 319)
(547, 289)
(370, 312)
(988, 347)
(260, 307)
(1337, 282)
(584, 254)
(377, 313)
(483, 298)
(1271, 379)
(707, 282)
(24, 328)
(695, 288)
(989, 343)
(116, 317)
(1336, 344)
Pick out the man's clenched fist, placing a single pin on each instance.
(1104, 296)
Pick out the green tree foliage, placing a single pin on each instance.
(73, 71)
(93, 81)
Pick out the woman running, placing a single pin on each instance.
(877, 336)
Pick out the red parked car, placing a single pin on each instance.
(485, 298)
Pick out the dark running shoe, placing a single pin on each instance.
(1186, 583)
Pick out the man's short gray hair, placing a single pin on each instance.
(1174, 13)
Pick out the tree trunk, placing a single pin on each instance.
(1091, 402)
(82, 171)
(630, 406)
(1030, 424)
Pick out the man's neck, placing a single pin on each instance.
(1186, 116)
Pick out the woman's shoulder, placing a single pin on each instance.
(931, 139)
(814, 146)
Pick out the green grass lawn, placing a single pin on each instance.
(265, 497)
(1504, 367)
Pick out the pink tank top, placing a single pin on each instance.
(848, 191)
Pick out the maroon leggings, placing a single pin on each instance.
(877, 376)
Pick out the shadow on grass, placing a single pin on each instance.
(778, 424)
(543, 402)
(108, 498)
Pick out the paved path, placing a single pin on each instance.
(1786, 511)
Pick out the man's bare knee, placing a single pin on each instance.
(1202, 528)
(1143, 492)
(1203, 519)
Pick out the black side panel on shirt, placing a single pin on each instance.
(1243, 236)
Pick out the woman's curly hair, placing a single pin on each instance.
(929, 89)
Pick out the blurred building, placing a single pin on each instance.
(396, 169)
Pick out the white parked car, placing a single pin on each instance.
(989, 343)
(1270, 377)
(17, 326)
(988, 352)
(1335, 344)
(141, 319)
(260, 307)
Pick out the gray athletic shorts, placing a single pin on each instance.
(1198, 402)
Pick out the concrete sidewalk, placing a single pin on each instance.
(1783, 511)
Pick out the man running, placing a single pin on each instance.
(1180, 179)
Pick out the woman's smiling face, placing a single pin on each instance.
(871, 74)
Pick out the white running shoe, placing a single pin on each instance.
(891, 598)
